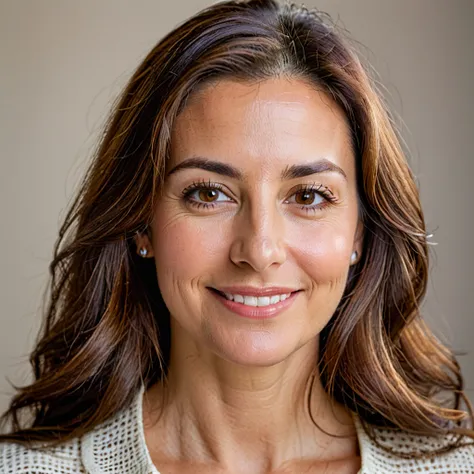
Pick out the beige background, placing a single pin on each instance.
(63, 61)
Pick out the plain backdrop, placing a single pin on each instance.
(62, 62)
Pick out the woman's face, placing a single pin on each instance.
(276, 207)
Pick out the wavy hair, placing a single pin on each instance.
(106, 329)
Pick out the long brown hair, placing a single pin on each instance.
(106, 327)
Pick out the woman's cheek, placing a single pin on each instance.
(187, 243)
(326, 255)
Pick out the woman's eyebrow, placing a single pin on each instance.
(315, 167)
(290, 172)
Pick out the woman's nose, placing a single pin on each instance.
(259, 238)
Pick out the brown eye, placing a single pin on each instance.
(312, 199)
(205, 195)
(306, 198)
(208, 195)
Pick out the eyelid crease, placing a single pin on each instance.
(314, 187)
(318, 188)
(202, 185)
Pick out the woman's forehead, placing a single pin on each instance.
(273, 121)
(238, 104)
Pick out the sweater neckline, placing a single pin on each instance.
(152, 469)
(118, 445)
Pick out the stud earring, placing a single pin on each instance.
(143, 252)
(354, 257)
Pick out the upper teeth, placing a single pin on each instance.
(257, 300)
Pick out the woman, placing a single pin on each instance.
(236, 287)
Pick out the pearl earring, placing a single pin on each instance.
(354, 257)
(143, 252)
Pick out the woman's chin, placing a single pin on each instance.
(257, 351)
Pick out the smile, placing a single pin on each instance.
(257, 300)
(253, 307)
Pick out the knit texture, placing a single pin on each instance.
(118, 447)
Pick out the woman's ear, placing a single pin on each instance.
(358, 242)
(144, 247)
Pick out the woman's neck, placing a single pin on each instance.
(222, 414)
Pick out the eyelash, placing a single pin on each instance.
(323, 191)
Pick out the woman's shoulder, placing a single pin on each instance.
(19, 459)
(395, 451)
(116, 446)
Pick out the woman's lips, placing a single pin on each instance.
(255, 312)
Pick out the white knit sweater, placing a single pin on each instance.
(118, 447)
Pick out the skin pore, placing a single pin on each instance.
(237, 391)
